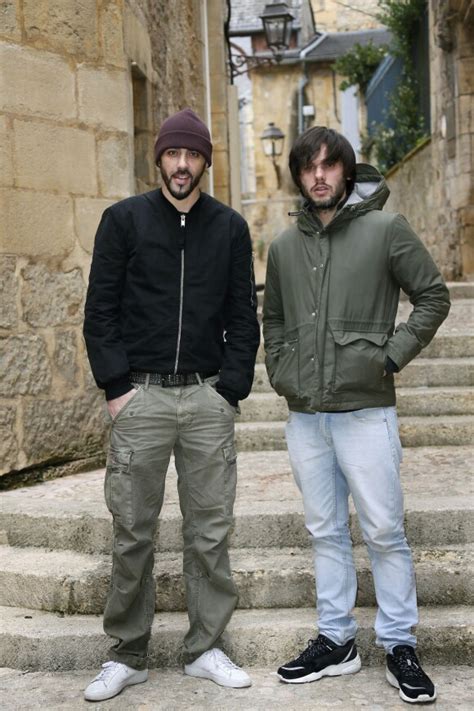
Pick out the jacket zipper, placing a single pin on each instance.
(181, 290)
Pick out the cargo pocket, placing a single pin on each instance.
(359, 360)
(286, 380)
(230, 477)
(118, 485)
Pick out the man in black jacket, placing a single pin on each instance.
(172, 334)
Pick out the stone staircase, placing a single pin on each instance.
(56, 536)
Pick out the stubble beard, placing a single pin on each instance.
(184, 191)
(331, 202)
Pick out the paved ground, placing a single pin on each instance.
(171, 690)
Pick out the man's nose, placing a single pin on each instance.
(183, 159)
(319, 171)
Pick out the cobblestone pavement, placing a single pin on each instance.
(172, 691)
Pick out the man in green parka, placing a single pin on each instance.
(331, 297)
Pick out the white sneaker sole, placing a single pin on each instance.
(423, 699)
(138, 678)
(351, 667)
(222, 681)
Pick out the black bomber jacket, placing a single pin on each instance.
(172, 292)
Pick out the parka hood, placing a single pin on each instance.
(370, 192)
(370, 188)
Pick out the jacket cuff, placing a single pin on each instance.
(227, 395)
(391, 366)
(118, 387)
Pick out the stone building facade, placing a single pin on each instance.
(84, 85)
(304, 76)
(434, 186)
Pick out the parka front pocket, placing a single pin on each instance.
(359, 360)
(286, 380)
(118, 486)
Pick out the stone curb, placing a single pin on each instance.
(421, 372)
(419, 402)
(70, 513)
(44, 641)
(62, 581)
(414, 432)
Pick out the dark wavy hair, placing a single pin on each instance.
(309, 144)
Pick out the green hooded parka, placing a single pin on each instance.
(331, 299)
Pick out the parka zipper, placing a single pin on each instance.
(181, 291)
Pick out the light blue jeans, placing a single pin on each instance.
(359, 453)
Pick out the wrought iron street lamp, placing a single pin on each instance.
(272, 142)
(277, 23)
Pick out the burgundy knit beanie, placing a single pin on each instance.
(184, 130)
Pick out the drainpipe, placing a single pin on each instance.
(304, 80)
(207, 81)
(301, 87)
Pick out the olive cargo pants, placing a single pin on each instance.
(198, 425)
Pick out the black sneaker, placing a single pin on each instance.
(321, 658)
(405, 673)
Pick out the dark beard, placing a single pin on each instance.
(330, 202)
(184, 192)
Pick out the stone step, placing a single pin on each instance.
(457, 290)
(74, 583)
(447, 344)
(454, 339)
(414, 432)
(424, 401)
(461, 289)
(421, 372)
(45, 641)
(170, 689)
(70, 513)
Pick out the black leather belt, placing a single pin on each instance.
(169, 380)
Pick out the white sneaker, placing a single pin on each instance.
(215, 665)
(112, 679)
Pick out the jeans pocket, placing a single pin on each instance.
(118, 485)
(370, 414)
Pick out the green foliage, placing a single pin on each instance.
(401, 17)
(359, 64)
(390, 145)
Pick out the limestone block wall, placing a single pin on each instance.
(266, 219)
(417, 193)
(67, 83)
(434, 186)
(66, 127)
(274, 99)
(345, 15)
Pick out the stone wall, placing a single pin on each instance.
(416, 192)
(266, 219)
(72, 74)
(434, 186)
(345, 15)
